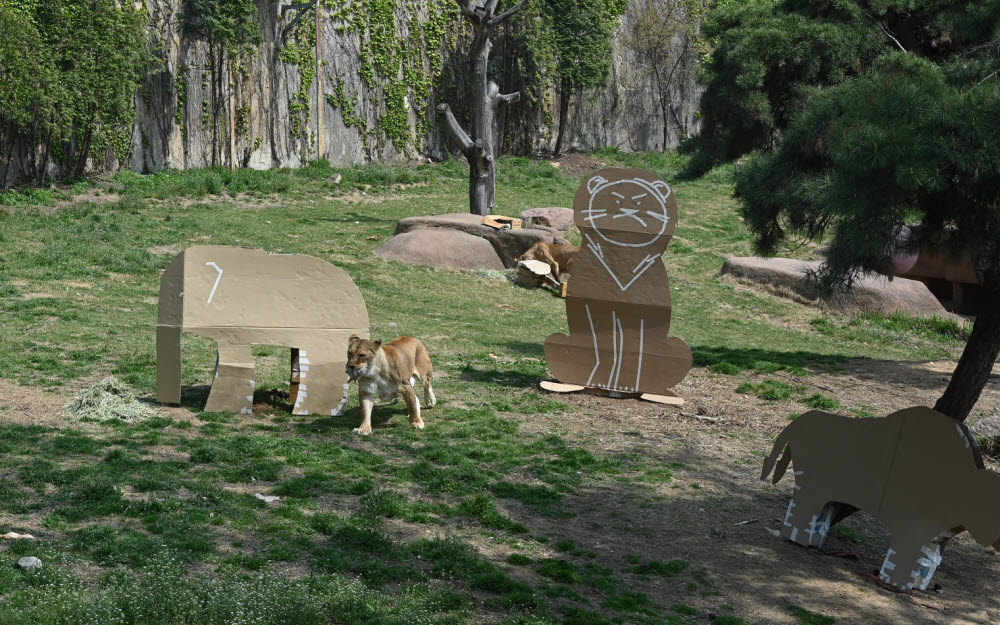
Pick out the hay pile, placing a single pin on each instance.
(108, 400)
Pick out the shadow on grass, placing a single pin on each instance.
(737, 360)
(503, 377)
(525, 348)
(194, 397)
(352, 419)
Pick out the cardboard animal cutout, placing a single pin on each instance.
(917, 470)
(618, 303)
(240, 297)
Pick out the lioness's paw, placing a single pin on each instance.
(418, 424)
(363, 431)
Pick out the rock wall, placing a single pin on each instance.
(376, 105)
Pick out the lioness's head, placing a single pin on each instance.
(361, 357)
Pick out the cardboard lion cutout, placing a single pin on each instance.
(618, 302)
(917, 470)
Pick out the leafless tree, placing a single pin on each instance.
(659, 35)
(485, 97)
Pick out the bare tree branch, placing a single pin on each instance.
(503, 17)
(491, 7)
(507, 98)
(455, 131)
(465, 6)
(303, 8)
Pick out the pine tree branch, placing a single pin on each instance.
(455, 131)
(503, 17)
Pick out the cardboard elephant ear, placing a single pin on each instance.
(240, 297)
(917, 470)
(618, 303)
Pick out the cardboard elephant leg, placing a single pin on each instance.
(168, 364)
(317, 387)
(808, 519)
(232, 389)
(910, 562)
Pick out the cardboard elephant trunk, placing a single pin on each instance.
(241, 297)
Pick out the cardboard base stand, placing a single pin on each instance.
(916, 470)
(618, 301)
(670, 399)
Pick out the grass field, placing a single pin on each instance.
(157, 521)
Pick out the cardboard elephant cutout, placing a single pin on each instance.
(917, 470)
(618, 302)
(240, 297)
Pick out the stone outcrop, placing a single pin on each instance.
(508, 244)
(441, 247)
(556, 217)
(870, 293)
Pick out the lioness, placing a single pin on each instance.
(384, 371)
(558, 257)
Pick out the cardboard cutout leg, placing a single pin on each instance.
(910, 564)
(168, 364)
(807, 519)
(321, 385)
(232, 389)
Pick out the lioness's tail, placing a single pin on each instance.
(780, 444)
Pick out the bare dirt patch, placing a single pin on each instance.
(695, 516)
(27, 405)
(577, 164)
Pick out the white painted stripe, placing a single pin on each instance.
(638, 371)
(614, 349)
(217, 279)
(597, 352)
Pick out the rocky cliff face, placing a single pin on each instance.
(384, 66)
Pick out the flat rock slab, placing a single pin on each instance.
(440, 247)
(507, 244)
(871, 293)
(552, 216)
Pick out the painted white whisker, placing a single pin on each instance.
(661, 216)
(630, 212)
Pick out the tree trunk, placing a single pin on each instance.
(563, 115)
(482, 173)
(485, 96)
(980, 353)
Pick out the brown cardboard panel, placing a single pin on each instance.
(618, 303)
(917, 470)
(241, 297)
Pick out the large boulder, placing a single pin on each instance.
(448, 249)
(508, 244)
(870, 293)
(552, 216)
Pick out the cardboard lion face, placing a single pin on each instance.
(628, 212)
